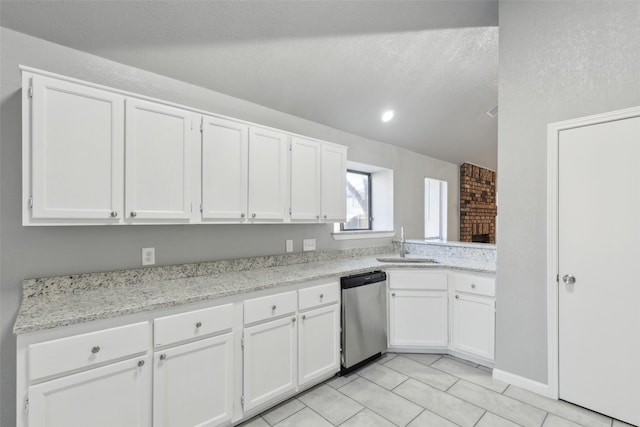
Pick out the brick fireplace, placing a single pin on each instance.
(478, 208)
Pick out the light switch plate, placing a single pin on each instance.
(148, 256)
(289, 246)
(309, 245)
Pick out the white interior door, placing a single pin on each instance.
(599, 228)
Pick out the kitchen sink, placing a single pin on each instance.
(407, 259)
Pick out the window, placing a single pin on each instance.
(435, 209)
(358, 201)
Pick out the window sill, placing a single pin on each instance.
(368, 234)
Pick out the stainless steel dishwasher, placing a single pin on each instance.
(364, 319)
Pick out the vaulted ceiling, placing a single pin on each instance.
(339, 63)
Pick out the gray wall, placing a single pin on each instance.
(28, 252)
(558, 60)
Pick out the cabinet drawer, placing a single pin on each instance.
(199, 323)
(269, 307)
(415, 279)
(87, 350)
(318, 295)
(473, 284)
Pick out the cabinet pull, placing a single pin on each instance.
(473, 285)
(242, 215)
(163, 356)
(140, 363)
(273, 307)
(325, 217)
(253, 215)
(457, 296)
(393, 294)
(304, 316)
(317, 216)
(321, 296)
(133, 214)
(95, 349)
(198, 324)
(114, 214)
(293, 320)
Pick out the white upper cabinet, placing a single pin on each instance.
(334, 183)
(267, 175)
(158, 151)
(305, 179)
(76, 150)
(225, 160)
(93, 155)
(318, 181)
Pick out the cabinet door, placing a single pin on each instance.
(113, 395)
(267, 175)
(334, 183)
(225, 160)
(77, 145)
(418, 318)
(158, 144)
(474, 324)
(305, 179)
(319, 348)
(269, 361)
(193, 383)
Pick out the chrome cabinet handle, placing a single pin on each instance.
(95, 349)
(325, 217)
(253, 215)
(473, 286)
(140, 363)
(393, 294)
(293, 320)
(304, 316)
(273, 307)
(317, 216)
(242, 215)
(568, 279)
(163, 356)
(114, 214)
(321, 296)
(133, 214)
(198, 324)
(457, 296)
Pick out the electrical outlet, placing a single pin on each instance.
(148, 256)
(289, 245)
(309, 245)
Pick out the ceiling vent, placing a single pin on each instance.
(493, 112)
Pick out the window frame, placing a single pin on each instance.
(369, 202)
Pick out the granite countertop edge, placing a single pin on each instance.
(47, 312)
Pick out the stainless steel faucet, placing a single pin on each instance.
(403, 251)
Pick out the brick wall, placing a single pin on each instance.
(478, 208)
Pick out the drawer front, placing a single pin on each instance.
(479, 285)
(193, 324)
(318, 295)
(87, 350)
(416, 279)
(270, 307)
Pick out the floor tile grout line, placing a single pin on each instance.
(545, 419)
(321, 416)
(553, 412)
(364, 408)
(481, 417)
(288, 416)
(419, 413)
(375, 412)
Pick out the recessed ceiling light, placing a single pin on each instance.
(387, 115)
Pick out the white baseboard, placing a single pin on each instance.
(525, 383)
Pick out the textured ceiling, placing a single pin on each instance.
(339, 63)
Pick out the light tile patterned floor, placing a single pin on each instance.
(424, 390)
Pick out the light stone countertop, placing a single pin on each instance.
(46, 311)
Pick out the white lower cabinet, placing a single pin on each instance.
(473, 315)
(418, 309)
(319, 343)
(269, 357)
(418, 318)
(193, 383)
(118, 394)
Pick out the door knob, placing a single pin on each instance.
(568, 279)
